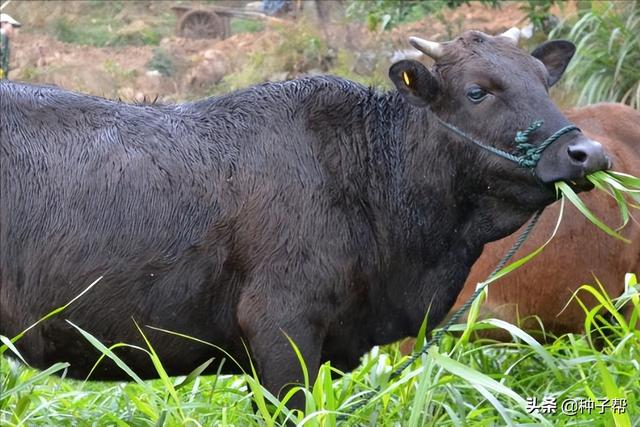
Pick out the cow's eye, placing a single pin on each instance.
(476, 94)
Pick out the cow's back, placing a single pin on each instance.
(579, 251)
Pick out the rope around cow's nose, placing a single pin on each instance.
(529, 154)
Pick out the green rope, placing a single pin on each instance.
(368, 395)
(489, 148)
(529, 154)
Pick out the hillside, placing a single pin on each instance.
(130, 50)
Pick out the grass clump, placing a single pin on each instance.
(68, 32)
(104, 29)
(606, 66)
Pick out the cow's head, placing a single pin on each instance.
(490, 89)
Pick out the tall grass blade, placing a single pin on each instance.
(110, 354)
(194, 374)
(51, 314)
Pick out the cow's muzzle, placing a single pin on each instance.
(572, 161)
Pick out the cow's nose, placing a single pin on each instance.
(572, 160)
(589, 155)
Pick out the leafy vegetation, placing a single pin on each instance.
(162, 62)
(384, 14)
(239, 25)
(606, 66)
(461, 382)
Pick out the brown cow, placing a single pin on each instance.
(578, 252)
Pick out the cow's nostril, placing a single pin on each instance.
(587, 156)
(577, 154)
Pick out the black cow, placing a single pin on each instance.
(316, 209)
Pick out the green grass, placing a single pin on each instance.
(461, 382)
(103, 33)
(623, 188)
(606, 66)
(239, 25)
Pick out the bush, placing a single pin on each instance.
(162, 62)
(606, 66)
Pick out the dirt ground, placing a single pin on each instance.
(126, 73)
(123, 72)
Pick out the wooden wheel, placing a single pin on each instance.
(201, 24)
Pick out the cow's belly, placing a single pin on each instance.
(180, 302)
(58, 341)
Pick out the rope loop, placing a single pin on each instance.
(530, 154)
(523, 136)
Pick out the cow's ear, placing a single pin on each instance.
(414, 82)
(555, 55)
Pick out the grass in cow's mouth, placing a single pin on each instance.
(623, 188)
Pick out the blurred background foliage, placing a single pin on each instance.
(606, 66)
(357, 41)
(385, 14)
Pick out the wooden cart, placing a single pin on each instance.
(212, 22)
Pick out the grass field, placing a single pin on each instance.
(572, 380)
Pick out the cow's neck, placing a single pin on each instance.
(434, 208)
(438, 188)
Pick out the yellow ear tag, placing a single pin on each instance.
(405, 76)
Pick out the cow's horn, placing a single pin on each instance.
(432, 49)
(512, 33)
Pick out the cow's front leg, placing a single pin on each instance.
(266, 324)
